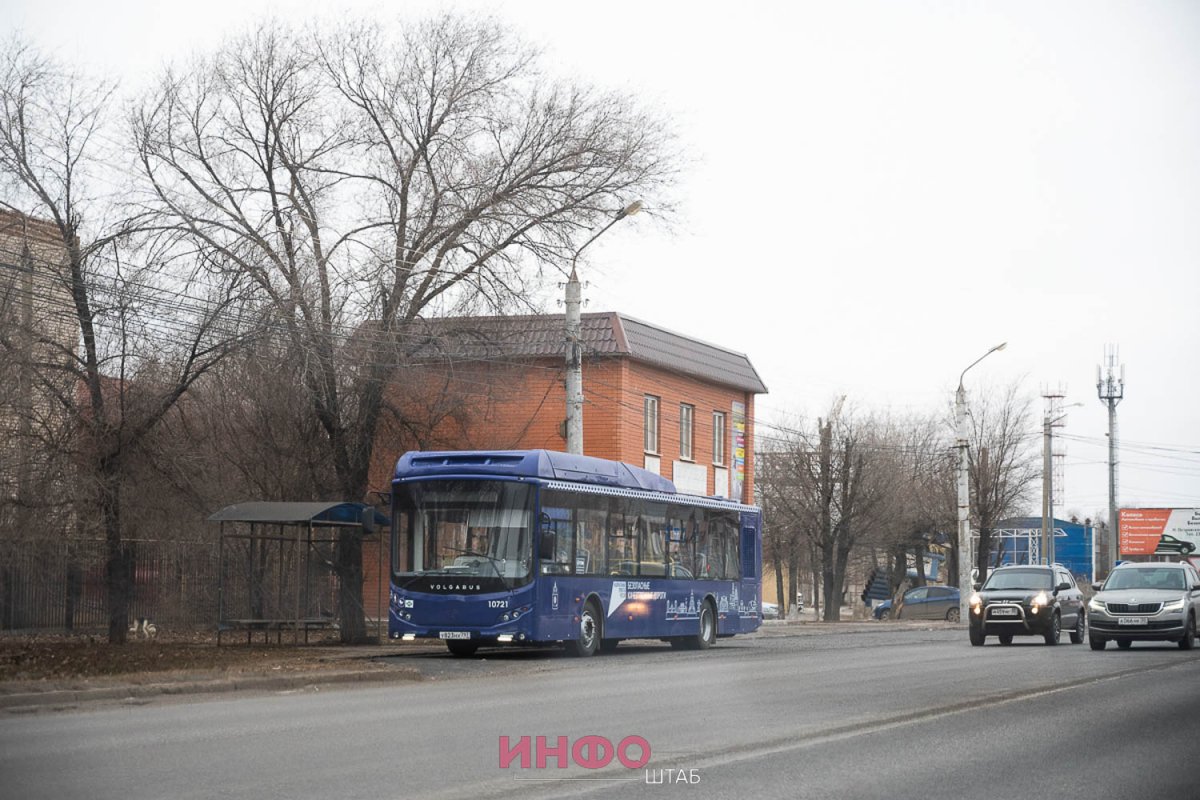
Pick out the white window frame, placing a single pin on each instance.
(650, 426)
(687, 432)
(720, 433)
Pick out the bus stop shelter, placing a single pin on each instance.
(277, 565)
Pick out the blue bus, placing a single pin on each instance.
(537, 547)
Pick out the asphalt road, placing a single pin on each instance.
(883, 713)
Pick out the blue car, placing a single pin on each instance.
(923, 602)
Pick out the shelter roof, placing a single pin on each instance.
(316, 514)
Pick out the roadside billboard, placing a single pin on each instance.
(1159, 531)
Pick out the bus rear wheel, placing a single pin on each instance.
(589, 632)
(706, 637)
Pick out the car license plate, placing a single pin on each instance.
(1004, 611)
(1131, 620)
(455, 634)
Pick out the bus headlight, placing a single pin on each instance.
(515, 614)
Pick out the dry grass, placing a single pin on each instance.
(74, 659)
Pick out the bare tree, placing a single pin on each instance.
(919, 504)
(361, 178)
(146, 332)
(785, 547)
(1004, 462)
(833, 488)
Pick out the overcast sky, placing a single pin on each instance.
(876, 193)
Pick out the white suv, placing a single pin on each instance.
(1146, 602)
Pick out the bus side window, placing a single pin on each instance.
(680, 561)
(622, 542)
(708, 551)
(556, 538)
(725, 535)
(654, 543)
(589, 539)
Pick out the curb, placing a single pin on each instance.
(32, 701)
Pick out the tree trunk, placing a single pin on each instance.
(952, 567)
(117, 577)
(899, 572)
(350, 579)
(983, 557)
(783, 605)
(794, 578)
(816, 595)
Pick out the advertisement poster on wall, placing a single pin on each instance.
(739, 451)
(1159, 531)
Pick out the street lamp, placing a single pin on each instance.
(1048, 482)
(964, 495)
(574, 349)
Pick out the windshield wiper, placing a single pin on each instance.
(490, 559)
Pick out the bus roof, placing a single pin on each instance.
(545, 464)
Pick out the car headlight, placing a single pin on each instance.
(1095, 605)
(1040, 600)
(1174, 605)
(976, 603)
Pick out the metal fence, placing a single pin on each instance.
(278, 578)
(59, 585)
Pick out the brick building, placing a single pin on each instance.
(37, 344)
(672, 404)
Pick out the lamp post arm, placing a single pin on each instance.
(1000, 346)
(594, 237)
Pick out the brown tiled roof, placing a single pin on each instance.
(603, 334)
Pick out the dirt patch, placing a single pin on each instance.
(75, 661)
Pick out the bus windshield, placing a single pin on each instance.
(479, 530)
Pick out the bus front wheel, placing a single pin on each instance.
(589, 632)
(461, 648)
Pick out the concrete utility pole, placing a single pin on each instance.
(1111, 391)
(573, 302)
(964, 491)
(1054, 418)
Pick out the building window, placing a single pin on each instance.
(687, 415)
(650, 423)
(719, 438)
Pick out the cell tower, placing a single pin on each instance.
(1111, 390)
(1051, 468)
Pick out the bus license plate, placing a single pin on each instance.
(1004, 611)
(1131, 620)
